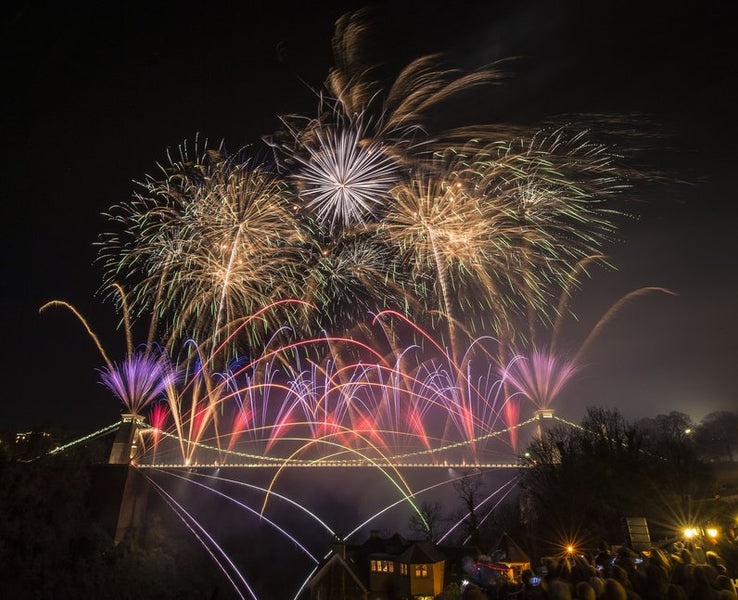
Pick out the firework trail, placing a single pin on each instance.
(377, 406)
(145, 375)
(541, 370)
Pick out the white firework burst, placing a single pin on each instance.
(345, 177)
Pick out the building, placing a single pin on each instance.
(29, 445)
(506, 552)
(385, 568)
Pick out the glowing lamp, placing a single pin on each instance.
(570, 549)
(690, 532)
(712, 532)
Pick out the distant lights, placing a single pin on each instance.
(690, 532)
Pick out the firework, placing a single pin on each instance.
(205, 245)
(365, 136)
(285, 406)
(365, 212)
(145, 375)
(344, 180)
(138, 380)
(352, 277)
(540, 377)
(459, 239)
(403, 106)
(540, 370)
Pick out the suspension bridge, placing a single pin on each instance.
(134, 469)
(129, 446)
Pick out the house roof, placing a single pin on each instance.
(391, 546)
(507, 550)
(336, 559)
(421, 553)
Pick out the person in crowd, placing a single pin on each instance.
(676, 573)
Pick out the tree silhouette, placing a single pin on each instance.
(469, 490)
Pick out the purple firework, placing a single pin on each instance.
(141, 378)
(540, 377)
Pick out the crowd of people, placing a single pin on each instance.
(681, 571)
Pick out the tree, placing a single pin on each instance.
(469, 489)
(51, 547)
(429, 522)
(717, 435)
(585, 480)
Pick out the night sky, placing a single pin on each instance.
(94, 97)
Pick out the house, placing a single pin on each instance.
(337, 578)
(506, 552)
(382, 568)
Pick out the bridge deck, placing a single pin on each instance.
(333, 465)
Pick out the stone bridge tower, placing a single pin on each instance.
(119, 490)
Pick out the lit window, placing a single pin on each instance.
(383, 566)
(421, 570)
(403, 569)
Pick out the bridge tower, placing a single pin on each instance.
(545, 421)
(126, 443)
(120, 491)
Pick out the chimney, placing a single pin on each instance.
(339, 546)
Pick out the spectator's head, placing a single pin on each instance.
(614, 590)
(658, 557)
(701, 588)
(585, 591)
(682, 576)
(598, 585)
(656, 582)
(722, 582)
(675, 592)
(560, 590)
(714, 560)
(621, 575)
